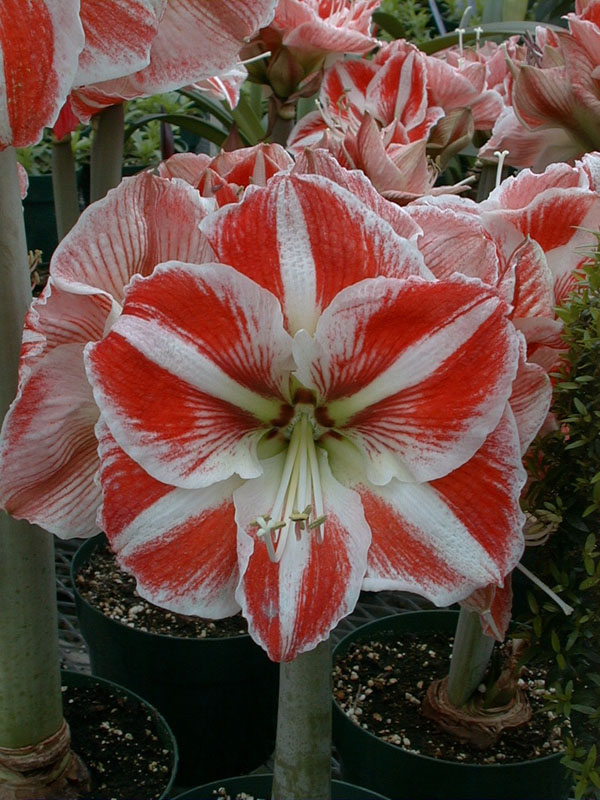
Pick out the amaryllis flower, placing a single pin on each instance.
(226, 175)
(554, 109)
(48, 449)
(35, 79)
(384, 116)
(310, 414)
(191, 42)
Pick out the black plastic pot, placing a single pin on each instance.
(167, 740)
(218, 695)
(259, 786)
(402, 775)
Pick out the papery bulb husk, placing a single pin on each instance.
(480, 727)
(48, 769)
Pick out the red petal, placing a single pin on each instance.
(277, 238)
(417, 374)
(179, 544)
(192, 373)
(443, 540)
(48, 448)
(291, 606)
(40, 44)
(144, 221)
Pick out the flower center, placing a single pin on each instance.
(298, 504)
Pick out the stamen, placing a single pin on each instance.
(565, 607)
(478, 31)
(299, 487)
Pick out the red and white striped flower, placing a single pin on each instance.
(309, 414)
(48, 449)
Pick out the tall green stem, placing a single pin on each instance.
(470, 656)
(34, 744)
(107, 151)
(30, 696)
(64, 186)
(303, 748)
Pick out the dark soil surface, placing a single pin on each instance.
(381, 684)
(117, 739)
(112, 591)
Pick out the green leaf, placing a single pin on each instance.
(249, 125)
(390, 24)
(209, 106)
(190, 123)
(555, 641)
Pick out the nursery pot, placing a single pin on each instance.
(369, 761)
(259, 787)
(77, 680)
(219, 695)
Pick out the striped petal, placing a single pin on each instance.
(494, 605)
(192, 373)
(277, 238)
(291, 606)
(118, 36)
(416, 374)
(446, 538)
(559, 220)
(530, 399)
(455, 241)
(321, 162)
(48, 448)
(40, 42)
(144, 221)
(178, 543)
(196, 40)
(398, 90)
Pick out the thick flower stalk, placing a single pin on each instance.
(283, 428)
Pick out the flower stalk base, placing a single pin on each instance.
(48, 769)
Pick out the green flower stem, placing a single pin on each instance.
(470, 656)
(303, 747)
(30, 698)
(487, 181)
(107, 151)
(64, 186)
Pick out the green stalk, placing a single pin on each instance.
(107, 151)
(303, 746)
(487, 181)
(470, 656)
(30, 696)
(64, 186)
(34, 743)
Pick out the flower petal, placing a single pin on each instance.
(277, 238)
(494, 604)
(455, 241)
(40, 42)
(416, 373)
(444, 539)
(192, 373)
(118, 36)
(178, 543)
(291, 606)
(144, 221)
(48, 448)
